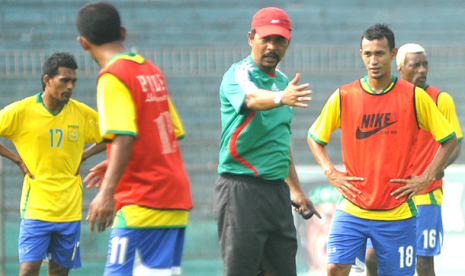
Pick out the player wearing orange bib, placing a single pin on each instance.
(412, 63)
(145, 179)
(380, 117)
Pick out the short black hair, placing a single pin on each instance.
(378, 31)
(99, 22)
(55, 61)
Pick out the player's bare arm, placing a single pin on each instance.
(338, 179)
(298, 196)
(93, 150)
(102, 207)
(415, 184)
(15, 158)
(293, 95)
(90, 151)
(455, 154)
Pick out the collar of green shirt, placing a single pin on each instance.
(367, 87)
(259, 73)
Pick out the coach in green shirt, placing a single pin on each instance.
(257, 174)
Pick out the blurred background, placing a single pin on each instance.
(194, 42)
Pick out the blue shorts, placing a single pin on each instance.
(394, 242)
(141, 252)
(359, 264)
(57, 240)
(429, 230)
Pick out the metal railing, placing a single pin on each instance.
(215, 61)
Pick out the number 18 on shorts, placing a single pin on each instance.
(394, 242)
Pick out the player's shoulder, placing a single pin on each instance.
(281, 76)
(442, 93)
(239, 72)
(421, 94)
(406, 85)
(347, 88)
(355, 82)
(124, 58)
(121, 63)
(430, 88)
(76, 104)
(445, 98)
(30, 100)
(23, 104)
(244, 65)
(82, 107)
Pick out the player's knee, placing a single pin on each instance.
(57, 270)
(425, 266)
(28, 269)
(338, 269)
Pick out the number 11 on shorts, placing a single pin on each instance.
(406, 256)
(120, 243)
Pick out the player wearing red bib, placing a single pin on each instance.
(145, 179)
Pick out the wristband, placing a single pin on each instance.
(278, 99)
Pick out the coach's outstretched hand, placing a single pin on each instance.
(295, 94)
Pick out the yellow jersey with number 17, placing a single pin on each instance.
(51, 146)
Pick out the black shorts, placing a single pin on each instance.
(255, 226)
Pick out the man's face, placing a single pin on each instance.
(377, 57)
(61, 85)
(415, 68)
(267, 51)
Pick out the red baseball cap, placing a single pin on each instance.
(272, 21)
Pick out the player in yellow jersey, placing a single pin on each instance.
(412, 64)
(49, 131)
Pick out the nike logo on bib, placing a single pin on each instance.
(365, 134)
